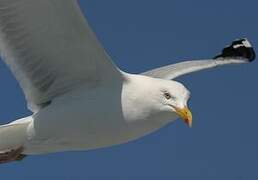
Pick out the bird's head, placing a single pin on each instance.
(159, 98)
(174, 97)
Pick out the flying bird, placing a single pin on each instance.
(79, 99)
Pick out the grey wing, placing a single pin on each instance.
(51, 49)
(240, 51)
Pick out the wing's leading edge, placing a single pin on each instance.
(240, 51)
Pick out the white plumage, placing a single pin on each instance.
(79, 99)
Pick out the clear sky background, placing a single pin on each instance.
(141, 35)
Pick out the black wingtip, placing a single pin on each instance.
(240, 48)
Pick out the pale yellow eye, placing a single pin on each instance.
(167, 95)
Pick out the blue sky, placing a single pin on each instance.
(141, 35)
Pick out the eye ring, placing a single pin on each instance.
(167, 95)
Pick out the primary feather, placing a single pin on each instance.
(240, 51)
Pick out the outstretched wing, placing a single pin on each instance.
(51, 49)
(240, 51)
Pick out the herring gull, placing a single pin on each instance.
(80, 100)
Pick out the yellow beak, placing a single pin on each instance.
(186, 115)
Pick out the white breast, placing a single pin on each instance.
(82, 121)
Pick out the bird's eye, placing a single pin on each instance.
(167, 95)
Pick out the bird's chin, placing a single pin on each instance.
(169, 108)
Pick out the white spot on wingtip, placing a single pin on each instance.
(238, 45)
(246, 43)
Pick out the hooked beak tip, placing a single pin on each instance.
(186, 115)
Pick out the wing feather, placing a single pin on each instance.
(240, 51)
(50, 48)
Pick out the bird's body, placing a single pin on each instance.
(79, 99)
(81, 120)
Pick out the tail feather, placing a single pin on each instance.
(12, 136)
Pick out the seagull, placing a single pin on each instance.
(78, 98)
